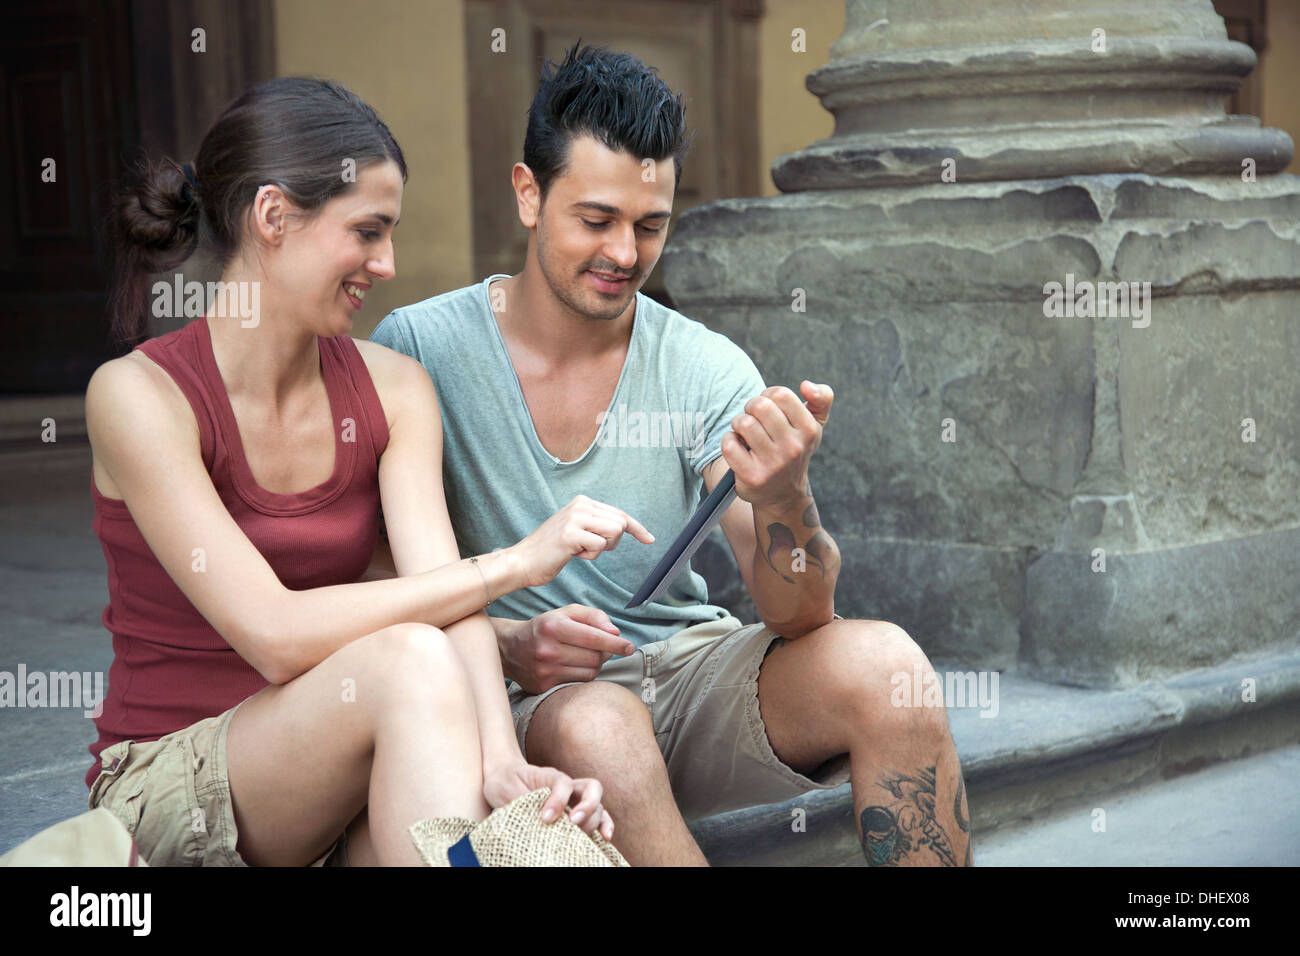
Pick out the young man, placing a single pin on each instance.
(563, 381)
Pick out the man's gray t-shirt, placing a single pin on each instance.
(681, 386)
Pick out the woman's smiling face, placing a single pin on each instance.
(328, 262)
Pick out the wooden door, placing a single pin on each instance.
(706, 48)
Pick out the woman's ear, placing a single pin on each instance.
(269, 213)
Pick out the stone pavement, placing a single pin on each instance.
(1236, 813)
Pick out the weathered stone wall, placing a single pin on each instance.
(985, 458)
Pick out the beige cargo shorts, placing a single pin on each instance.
(701, 685)
(173, 796)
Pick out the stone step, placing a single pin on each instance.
(1048, 747)
(1238, 813)
(21, 418)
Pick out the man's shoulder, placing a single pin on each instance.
(684, 336)
(439, 326)
(699, 357)
(437, 308)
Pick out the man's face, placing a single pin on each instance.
(602, 225)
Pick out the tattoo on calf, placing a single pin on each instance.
(963, 819)
(883, 843)
(906, 826)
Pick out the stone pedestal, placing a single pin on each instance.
(1083, 496)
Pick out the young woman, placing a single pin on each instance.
(266, 706)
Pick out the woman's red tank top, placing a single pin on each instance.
(170, 667)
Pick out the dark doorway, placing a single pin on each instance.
(84, 86)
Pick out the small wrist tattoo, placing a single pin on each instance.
(486, 590)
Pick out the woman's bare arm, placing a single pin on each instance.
(420, 538)
(144, 435)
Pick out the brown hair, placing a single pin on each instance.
(296, 132)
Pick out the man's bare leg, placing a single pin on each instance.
(909, 798)
(599, 729)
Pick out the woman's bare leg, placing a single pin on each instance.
(361, 848)
(386, 723)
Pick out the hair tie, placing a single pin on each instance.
(190, 186)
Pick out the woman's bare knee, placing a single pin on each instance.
(317, 734)
(406, 664)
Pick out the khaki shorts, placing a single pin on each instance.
(173, 795)
(701, 685)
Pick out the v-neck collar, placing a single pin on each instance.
(519, 389)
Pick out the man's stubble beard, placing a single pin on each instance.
(569, 294)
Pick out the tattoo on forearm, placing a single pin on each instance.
(817, 550)
(907, 825)
(780, 541)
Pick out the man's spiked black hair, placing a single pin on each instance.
(612, 96)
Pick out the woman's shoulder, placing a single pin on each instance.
(132, 380)
(132, 396)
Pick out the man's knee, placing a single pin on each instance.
(866, 662)
(590, 723)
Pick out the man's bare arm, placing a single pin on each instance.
(789, 566)
(789, 562)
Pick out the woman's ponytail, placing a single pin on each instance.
(154, 226)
